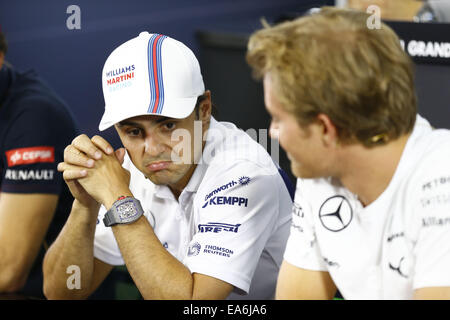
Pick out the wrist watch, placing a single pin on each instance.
(123, 211)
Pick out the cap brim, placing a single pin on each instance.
(178, 108)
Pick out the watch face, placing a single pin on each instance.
(126, 211)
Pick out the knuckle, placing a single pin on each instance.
(92, 150)
(96, 138)
(67, 149)
(69, 153)
(79, 138)
(75, 140)
(100, 142)
(66, 175)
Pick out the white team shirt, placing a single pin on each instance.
(231, 221)
(398, 243)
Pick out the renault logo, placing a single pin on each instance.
(336, 213)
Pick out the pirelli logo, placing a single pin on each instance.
(30, 155)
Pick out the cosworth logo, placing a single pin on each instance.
(243, 181)
(30, 155)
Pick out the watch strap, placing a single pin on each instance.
(125, 210)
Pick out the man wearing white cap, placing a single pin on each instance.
(195, 208)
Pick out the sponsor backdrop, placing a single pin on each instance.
(429, 47)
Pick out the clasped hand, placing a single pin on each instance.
(94, 172)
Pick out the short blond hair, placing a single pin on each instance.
(331, 62)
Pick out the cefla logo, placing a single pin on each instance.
(30, 155)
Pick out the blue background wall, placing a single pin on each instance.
(71, 61)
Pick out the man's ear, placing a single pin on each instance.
(120, 154)
(330, 134)
(205, 108)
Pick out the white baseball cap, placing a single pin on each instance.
(151, 74)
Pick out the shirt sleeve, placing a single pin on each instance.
(432, 219)
(237, 210)
(302, 249)
(32, 148)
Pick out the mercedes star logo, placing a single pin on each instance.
(398, 269)
(336, 213)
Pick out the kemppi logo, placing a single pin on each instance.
(30, 155)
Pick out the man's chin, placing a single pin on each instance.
(157, 177)
(301, 172)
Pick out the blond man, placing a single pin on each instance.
(372, 207)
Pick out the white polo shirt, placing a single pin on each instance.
(231, 222)
(398, 243)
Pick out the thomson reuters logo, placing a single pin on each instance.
(194, 249)
(30, 155)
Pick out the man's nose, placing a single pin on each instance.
(153, 146)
